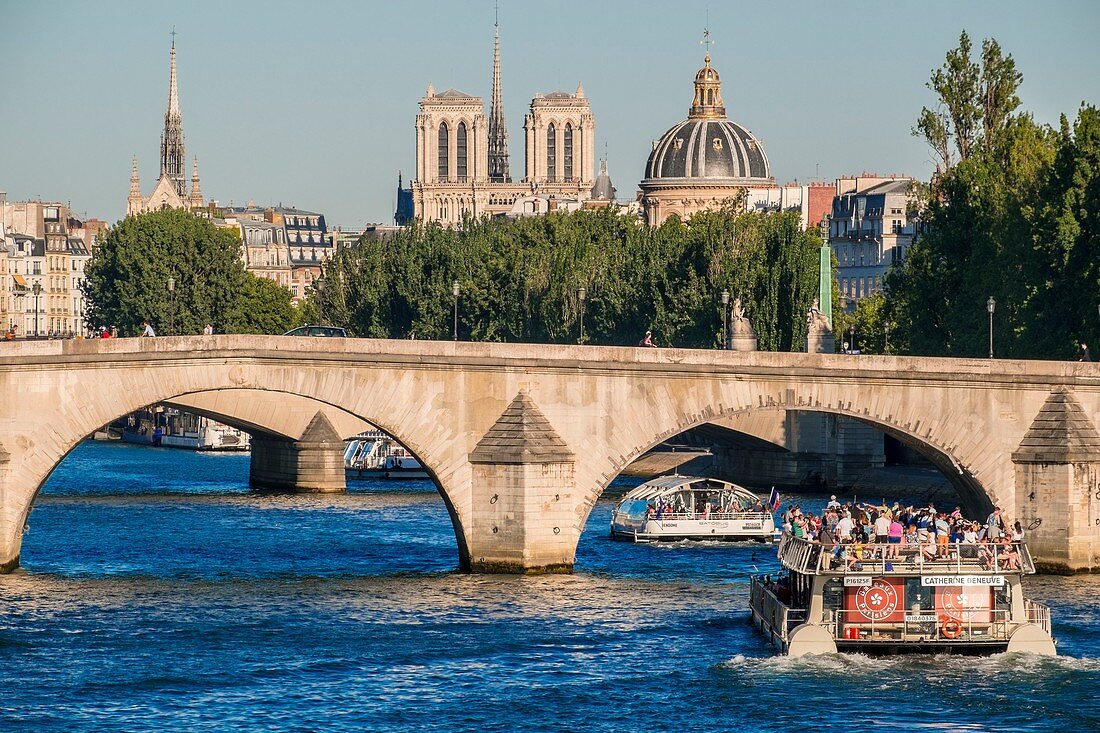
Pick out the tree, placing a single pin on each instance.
(977, 217)
(974, 101)
(264, 306)
(519, 279)
(127, 278)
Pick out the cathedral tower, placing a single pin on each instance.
(498, 132)
(172, 154)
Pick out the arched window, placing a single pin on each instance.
(551, 153)
(568, 151)
(444, 152)
(460, 146)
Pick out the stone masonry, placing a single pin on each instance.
(580, 416)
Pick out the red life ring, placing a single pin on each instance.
(951, 628)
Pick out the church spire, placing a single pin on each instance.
(196, 191)
(498, 132)
(172, 154)
(135, 182)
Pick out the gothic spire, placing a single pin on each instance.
(498, 132)
(135, 182)
(172, 154)
(196, 191)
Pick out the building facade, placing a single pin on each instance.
(284, 244)
(705, 162)
(462, 160)
(170, 191)
(869, 231)
(44, 250)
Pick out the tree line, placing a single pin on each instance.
(1013, 213)
(522, 280)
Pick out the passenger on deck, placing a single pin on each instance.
(894, 535)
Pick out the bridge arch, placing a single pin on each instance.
(273, 405)
(978, 489)
(972, 495)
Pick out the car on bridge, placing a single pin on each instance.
(332, 331)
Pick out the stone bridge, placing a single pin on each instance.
(522, 439)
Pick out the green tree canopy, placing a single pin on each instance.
(1015, 218)
(520, 280)
(127, 279)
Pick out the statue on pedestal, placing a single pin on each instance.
(742, 335)
(819, 332)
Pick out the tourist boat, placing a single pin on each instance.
(954, 598)
(375, 455)
(173, 428)
(672, 508)
(194, 432)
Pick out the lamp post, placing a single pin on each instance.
(171, 306)
(37, 289)
(581, 295)
(725, 317)
(991, 305)
(886, 331)
(852, 341)
(455, 291)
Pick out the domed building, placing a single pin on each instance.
(704, 161)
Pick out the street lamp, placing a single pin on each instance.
(171, 306)
(581, 294)
(886, 345)
(37, 289)
(852, 341)
(991, 305)
(455, 291)
(725, 317)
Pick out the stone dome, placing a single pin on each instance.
(708, 145)
(708, 148)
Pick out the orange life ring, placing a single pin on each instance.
(952, 628)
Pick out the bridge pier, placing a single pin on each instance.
(312, 464)
(523, 518)
(1058, 486)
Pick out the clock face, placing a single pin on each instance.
(878, 601)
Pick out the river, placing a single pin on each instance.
(156, 593)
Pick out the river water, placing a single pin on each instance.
(156, 593)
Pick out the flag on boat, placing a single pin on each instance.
(773, 500)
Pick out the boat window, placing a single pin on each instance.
(1002, 597)
(918, 597)
(832, 594)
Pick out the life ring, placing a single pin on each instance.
(951, 628)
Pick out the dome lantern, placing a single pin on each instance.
(708, 94)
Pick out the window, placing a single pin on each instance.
(444, 152)
(461, 149)
(568, 152)
(551, 153)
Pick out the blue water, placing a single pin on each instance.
(157, 594)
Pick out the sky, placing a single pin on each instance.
(313, 105)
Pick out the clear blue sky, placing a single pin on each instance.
(313, 104)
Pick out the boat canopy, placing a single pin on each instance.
(664, 487)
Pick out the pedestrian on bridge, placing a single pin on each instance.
(148, 330)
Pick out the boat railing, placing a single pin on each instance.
(1038, 614)
(971, 625)
(807, 556)
(775, 617)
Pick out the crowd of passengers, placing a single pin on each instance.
(703, 510)
(852, 533)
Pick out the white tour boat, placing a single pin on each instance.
(672, 508)
(374, 455)
(888, 599)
